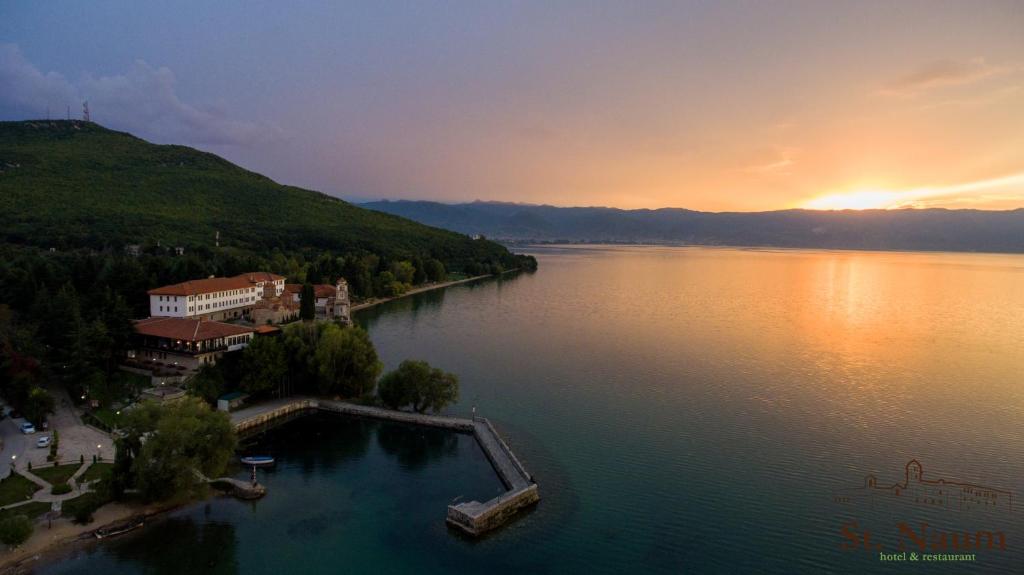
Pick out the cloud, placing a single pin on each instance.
(142, 100)
(942, 73)
(977, 100)
(781, 163)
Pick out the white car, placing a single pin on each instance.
(43, 441)
(28, 428)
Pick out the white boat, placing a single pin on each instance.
(257, 460)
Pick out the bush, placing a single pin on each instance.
(61, 489)
(15, 530)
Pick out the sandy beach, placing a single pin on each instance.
(64, 535)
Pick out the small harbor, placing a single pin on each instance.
(471, 517)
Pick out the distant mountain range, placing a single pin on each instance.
(909, 229)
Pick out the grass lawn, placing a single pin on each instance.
(31, 510)
(16, 488)
(56, 475)
(107, 416)
(97, 471)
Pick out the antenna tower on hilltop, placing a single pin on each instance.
(85, 110)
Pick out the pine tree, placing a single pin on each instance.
(307, 302)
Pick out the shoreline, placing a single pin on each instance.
(46, 545)
(65, 537)
(414, 291)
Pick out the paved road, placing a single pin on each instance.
(76, 439)
(14, 443)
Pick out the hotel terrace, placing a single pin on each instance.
(186, 344)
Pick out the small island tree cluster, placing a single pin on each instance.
(417, 385)
(325, 359)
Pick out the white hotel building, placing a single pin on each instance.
(213, 298)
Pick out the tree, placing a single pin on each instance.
(180, 439)
(207, 383)
(307, 303)
(417, 384)
(18, 388)
(420, 273)
(263, 365)
(386, 285)
(347, 362)
(435, 271)
(15, 530)
(403, 271)
(38, 405)
(300, 342)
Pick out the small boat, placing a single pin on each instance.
(257, 460)
(131, 524)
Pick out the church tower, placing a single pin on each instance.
(913, 472)
(341, 302)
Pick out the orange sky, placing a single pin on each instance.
(705, 105)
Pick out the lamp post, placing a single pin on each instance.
(13, 458)
(99, 456)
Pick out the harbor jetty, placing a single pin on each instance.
(472, 517)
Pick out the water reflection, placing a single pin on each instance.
(428, 301)
(198, 547)
(684, 410)
(317, 441)
(417, 447)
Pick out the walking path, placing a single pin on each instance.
(473, 517)
(45, 495)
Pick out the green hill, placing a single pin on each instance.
(70, 184)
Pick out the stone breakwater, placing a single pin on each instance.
(471, 517)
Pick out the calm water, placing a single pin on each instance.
(684, 410)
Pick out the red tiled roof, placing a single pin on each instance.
(209, 285)
(324, 290)
(260, 276)
(267, 329)
(319, 290)
(276, 304)
(187, 329)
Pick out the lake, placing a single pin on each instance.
(692, 410)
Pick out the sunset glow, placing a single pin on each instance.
(689, 104)
(1006, 191)
(860, 200)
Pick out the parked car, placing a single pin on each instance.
(28, 428)
(43, 441)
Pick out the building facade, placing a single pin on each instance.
(188, 343)
(214, 298)
(332, 302)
